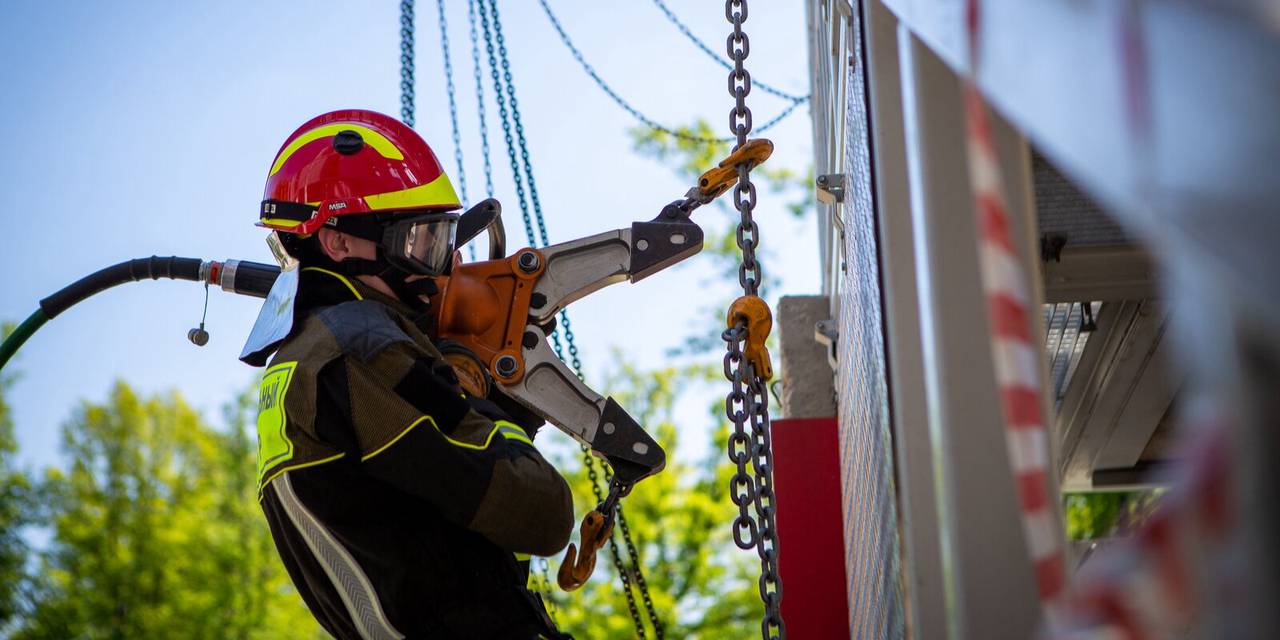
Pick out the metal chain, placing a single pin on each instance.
(510, 142)
(480, 112)
(544, 587)
(519, 126)
(639, 577)
(484, 140)
(506, 123)
(626, 106)
(765, 507)
(567, 327)
(590, 463)
(748, 399)
(453, 113)
(406, 62)
(504, 93)
(702, 46)
(453, 105)
(742, 487)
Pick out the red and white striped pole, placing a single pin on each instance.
(1015, 352)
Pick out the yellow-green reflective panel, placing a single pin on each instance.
(274, 446)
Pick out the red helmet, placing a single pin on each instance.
(353, 162)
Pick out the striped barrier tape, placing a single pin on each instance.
(1152, 585)
(1015, 353)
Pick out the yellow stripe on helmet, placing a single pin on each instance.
(372, 138)
(437, 193)
(281, 222)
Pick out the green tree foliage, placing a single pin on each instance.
(156, 531)
(702, 585)
(1090, 516)
(16, 510)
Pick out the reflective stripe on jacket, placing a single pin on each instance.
(396, 503)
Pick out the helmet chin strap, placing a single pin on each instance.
(411, 293)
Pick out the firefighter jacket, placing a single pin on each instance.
(401, 508)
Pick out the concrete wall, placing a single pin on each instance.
(808, 383)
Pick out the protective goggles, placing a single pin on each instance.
(419, 243)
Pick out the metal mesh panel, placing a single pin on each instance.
(870, 518)
(1064, 343)
(1064, 210)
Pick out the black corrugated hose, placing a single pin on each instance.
(248, 278)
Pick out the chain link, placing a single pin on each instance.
(504, 90)
(748, 399)
(594, 477)
(519, 126)
(624, 574)
(567, 327)
(544, 580)
(406, 62)
(765, 508)
(453, 105)
(639, 576)
(702, 46)
(742, 487)
(480, 111)
(505, 117)
(453, 113)
(626, 106)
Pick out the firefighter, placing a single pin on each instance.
(402, 504)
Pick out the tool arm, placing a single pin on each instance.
(572, 271)
(578, 268)
(564, 273)
(551, 390)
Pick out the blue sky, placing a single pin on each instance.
(147, 128)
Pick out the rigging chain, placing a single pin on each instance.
(406, 62)
(504, 93)
(702, 46)
(505, 118)
(453, 112)
(566, 327)
(480, 114)
(635, 113)
(748, 401)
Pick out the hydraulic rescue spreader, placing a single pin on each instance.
(502, 310)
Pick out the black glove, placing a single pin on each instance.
(528, 420)
(492, 403)
(508, 411)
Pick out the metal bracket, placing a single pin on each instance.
(1051, 245)
(831, 188)
(1087, 323)
(827, 334)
